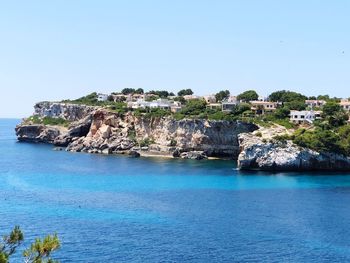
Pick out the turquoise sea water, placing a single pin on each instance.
(120, 209)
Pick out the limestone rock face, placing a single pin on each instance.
(76, 129)
(97, 130)
(67, 111)
(107, 134)
(215, 138)
(166, 136)
(257, 153)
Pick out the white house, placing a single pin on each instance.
(161, 104)
(261, 98)
(138, 104)
(306, 116)
(192, 97)
(102, 97)
(210, 99)
(315, 103)
(232, 99)
(228, 106)
(165, 104)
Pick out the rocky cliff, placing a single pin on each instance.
(32, 132)
(261, 152)
(37, 133)
(97, 130)
(67, 111)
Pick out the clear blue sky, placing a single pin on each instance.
(51, 50)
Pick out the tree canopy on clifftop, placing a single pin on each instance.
(286, 96)
(248, 95)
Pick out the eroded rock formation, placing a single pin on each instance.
(265, 153)
(97, 130)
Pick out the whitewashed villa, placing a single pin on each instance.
(306, 116)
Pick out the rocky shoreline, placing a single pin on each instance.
(100, 131)
(261, 151)
(97, 130)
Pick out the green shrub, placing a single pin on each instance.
(283, 138)
(320, 140)
(90, 99)
(146, 142)
(118, 107)
(35, 119)
(284, 122)
(179, 116)
(286, 96)
(173, 142)
(258, 134)
(132, 135)
(194, 107)
(55, 121)
(154, 113)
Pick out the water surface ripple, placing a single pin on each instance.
(119, 209)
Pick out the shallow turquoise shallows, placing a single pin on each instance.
(120, 209)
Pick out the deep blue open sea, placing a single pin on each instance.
(120, 209)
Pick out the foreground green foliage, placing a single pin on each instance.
(39, 252)
(9, 244)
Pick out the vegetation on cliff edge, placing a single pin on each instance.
(47, 121)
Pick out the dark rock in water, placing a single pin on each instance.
(176, 153)
(134, 154)
(58, 149)
(36, 133)
(194, 155)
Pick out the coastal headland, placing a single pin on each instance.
(248, 131)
